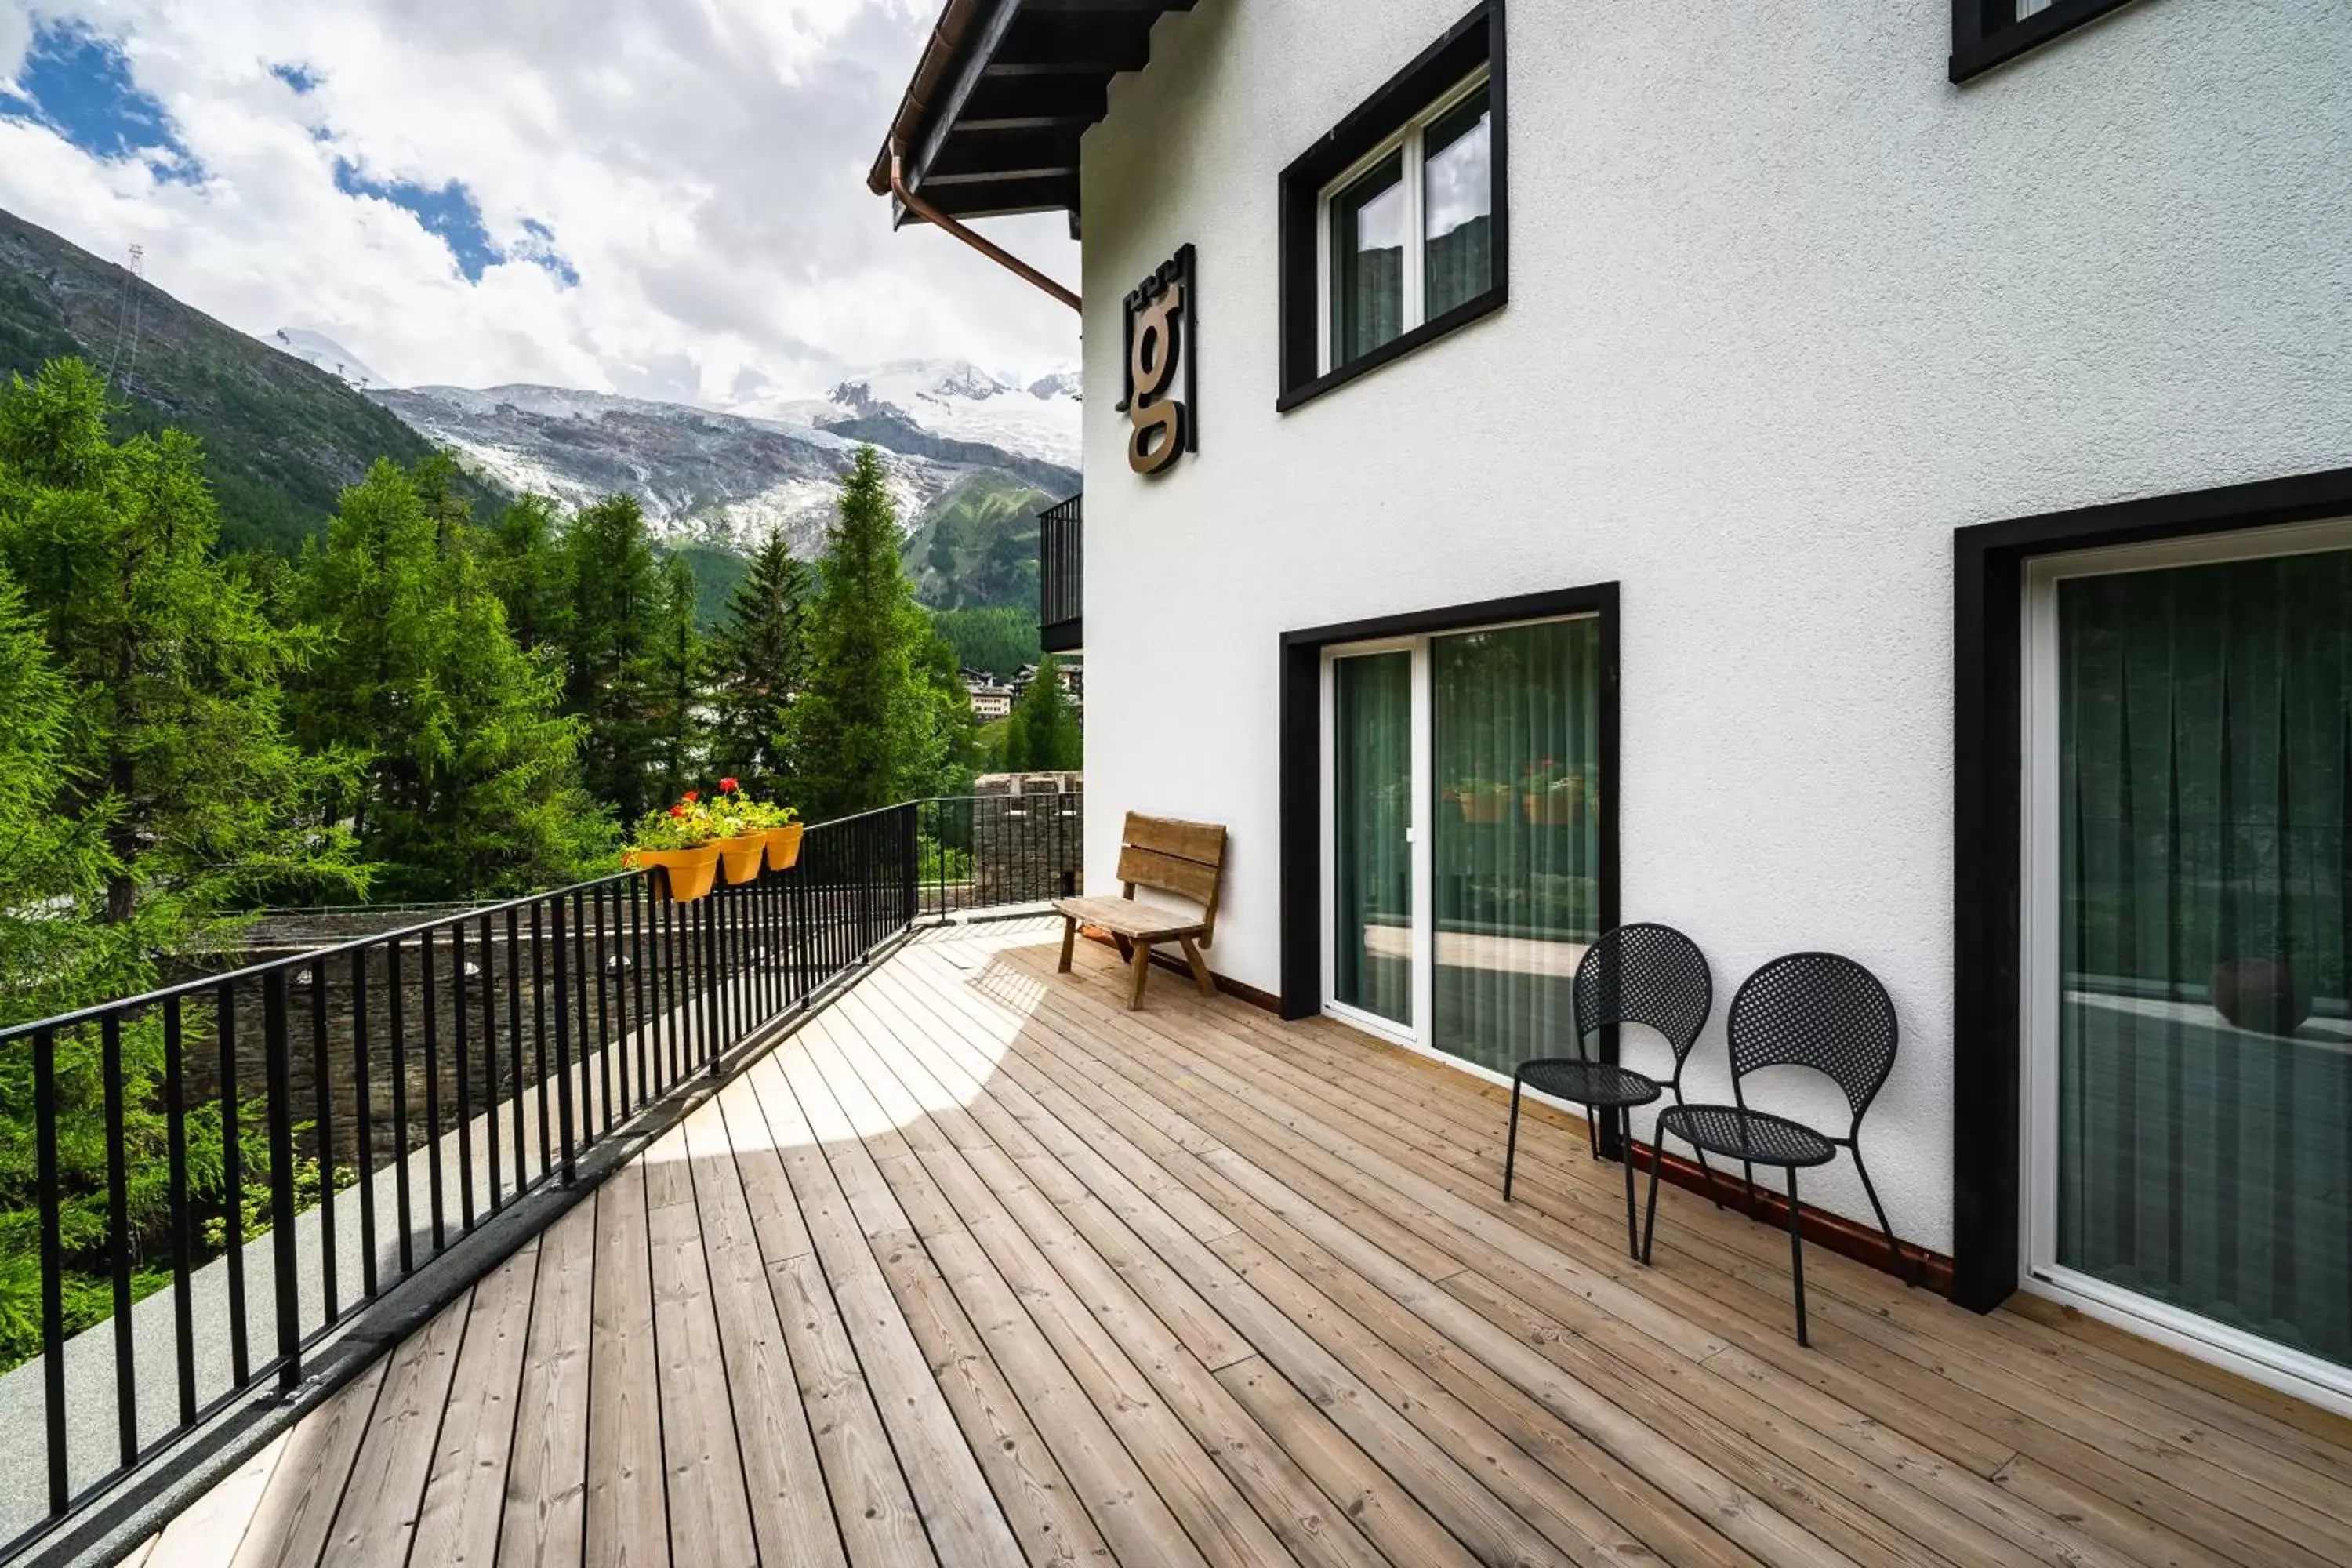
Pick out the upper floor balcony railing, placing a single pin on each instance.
(1061, 576)
(230, 1172)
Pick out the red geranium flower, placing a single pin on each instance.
(726, 786)
(677, 811)
(691, 796)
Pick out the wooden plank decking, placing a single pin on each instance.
(981, 1268)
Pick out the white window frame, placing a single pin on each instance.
(2040, 978)
(1407, 139)
(1424, 888)
(1421, 1035)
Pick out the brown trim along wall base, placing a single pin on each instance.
(1235, 989)
(1832, 1232)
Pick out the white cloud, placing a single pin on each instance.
(699, 163)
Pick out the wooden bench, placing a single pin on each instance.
(1158, 853)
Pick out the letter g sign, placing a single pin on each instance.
(1158, 353)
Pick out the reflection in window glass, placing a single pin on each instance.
(1457, 206)
(1515, 745)
(1367, 239)
(2204, 1039)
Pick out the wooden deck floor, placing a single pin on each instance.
(979, 1269)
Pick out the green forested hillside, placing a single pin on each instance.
(978, 545)
(281, 438)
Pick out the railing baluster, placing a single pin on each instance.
(463, 1055)
(673, 1024)
(278, 1073)
(322, 1107)
(363, 1107)
(562, 1042)
(514, 1047)
(53, 1260)
(584, 1100)
(175, 1145)
(539, 1039)
(395, 996)
(490, 1061)
(232, 1186)
(715, 994)
(638, 979)
(431, 999)
(606, 1041)
(118, 1233)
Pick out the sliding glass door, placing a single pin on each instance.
(1464, 826)
(1371, 815)
(2191, 1042)
(1516, 836)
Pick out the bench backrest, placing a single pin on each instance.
(1186, 858)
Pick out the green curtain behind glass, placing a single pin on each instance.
(1517, 848)
(2206, 780)
(1371, 768)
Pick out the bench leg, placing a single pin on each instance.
(1126, 948)
(1069, 938)
(1200, 977)
(1143, 965)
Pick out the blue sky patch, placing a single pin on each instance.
(300, 78)
(451, 213)
(80, 85)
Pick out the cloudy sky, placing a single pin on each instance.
(664, 198)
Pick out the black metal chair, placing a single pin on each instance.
(1814, 1010)
(1649, 974)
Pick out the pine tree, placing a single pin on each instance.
(469, 785)
(864, 731)
(758, 660)
(616, 596)
(677, 718)
(523, 551)
(148, 789)
(54, 860)
(171, 667)
(1044, 735)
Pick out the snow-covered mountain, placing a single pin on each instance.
(325, 352)
(701, 475)
(727, 476)
(952, 399)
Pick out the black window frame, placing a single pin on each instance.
(1990, 563)
(1988, 33)
(1474, 41)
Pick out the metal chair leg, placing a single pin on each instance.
(1905, 1267)
(1625, 1147)
(1650, 1222)
(1749, 1168)
(1591, 1132)
(1511, 1145)
(1797, 1256)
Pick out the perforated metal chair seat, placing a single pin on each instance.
(1599, 1084)
(1757, 1136)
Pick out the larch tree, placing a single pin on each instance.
(758, 661)
(468, 784)
(863, 733)
(611, 673)
(173, 670)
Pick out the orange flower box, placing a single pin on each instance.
(783, 847)
(740, 857)
(686, 874)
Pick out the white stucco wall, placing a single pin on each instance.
(1786, 308)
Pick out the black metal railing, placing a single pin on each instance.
(1061, 576)
(228, 1169)
(995, 850)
